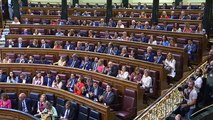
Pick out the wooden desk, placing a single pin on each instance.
(27, 88)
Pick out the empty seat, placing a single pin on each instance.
(83, 113)
(60, 105)
(51, 98)
(94, 115)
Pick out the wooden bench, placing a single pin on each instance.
(176, 51)
(27, 88)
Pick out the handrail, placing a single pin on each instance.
(167, 103)
(202, 110)
(16, 114)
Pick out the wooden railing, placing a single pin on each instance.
(166, 104)
(11, 114)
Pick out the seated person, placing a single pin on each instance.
(31, 60)
(5, 102)
(169, 65)
(95, 64)
(133, 54)
(69, 112)
(26, 21)
(71, 33)
(86, 64)
(3, 77)
(6, 60)
(86, 14)
(39, 106)
(71, 82)
(59, 33)
(88, 87)
(152, 40)
(44, 44)
(24, 103)
(115, 51)
(74, 61)
(20, 43)
(164, 15)
(120, 24)
(111, 70)
(102, 23)
(20, 59)
(48, 80)
(136, 75)
(69, 21)
(36, 32)
(10, 43)
(165, 41)
(149, 55)
(184, 16)
(124, 52)
(89, 47)
(57, 45)
(34, 44)
(80, 87)
(99, 48)
(61, 62)
(143, 38)
(80, 46)
(120, 15)
(25, 32)
(38, 79)
(187, 28)
(16, 21)
(69, 46)
(108, 97)
(96, 92)
(159, 58)
(123, 73)
(57, 83)
(100, 66)
(139, 6)
(146, 82)
(49, 111)
(11, 78)
(109, 48)
(23, 78)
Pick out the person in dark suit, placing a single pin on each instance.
(48, 80)
(149, 55)
(80, 46)
(139, 7)
(89, 47)
(89, 87)
(108, 96)
(24, 104)
(74, 61)
(25, 32)
(159, 58)
(26, 21)
(20, 44)
(96, 92)
(44, 44)
(99, 48)
(20, 59)
(94, 64)
(24, 79)
(191, 49)
(69, 112)
(69, 46)
(71, 83)
(86, 64)
(3, 77)
(109, 49)
(111, 70)
(143, 38)
(116, 50)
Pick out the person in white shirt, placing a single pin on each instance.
(16, 21)
(169, 65)
(152, 40)
(120, 24)
(57, 83)
(11, 78)
(123, 73)
(198, 79)
(146, 81)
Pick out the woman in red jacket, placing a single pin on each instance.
(80, 87)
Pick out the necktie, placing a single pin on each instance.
(48, 82)
(66, 114)
(73, 64)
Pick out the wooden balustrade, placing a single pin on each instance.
(11, 114)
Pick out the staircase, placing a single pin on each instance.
(5, 32)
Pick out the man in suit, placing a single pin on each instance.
(86, 64)
(191, 49)
(96, 93)
(68, 113)
(159, 58)
(89, 87)
(89, 47)
(99, 48)
(20, 44)
(109, 48)
(69, 21)
(74, 61)
(111, 70)
(26, 21)
(149, 55)
(69, 46)
(143, 38)
(24, 104)
(25, 32)
(94, 64)
(108, 97)
(24, 79)
(48, 80)
(139, 7)
(71, 83)
(44, 44)
(3, 77)
(20, 59)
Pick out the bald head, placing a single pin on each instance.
(22, 96)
